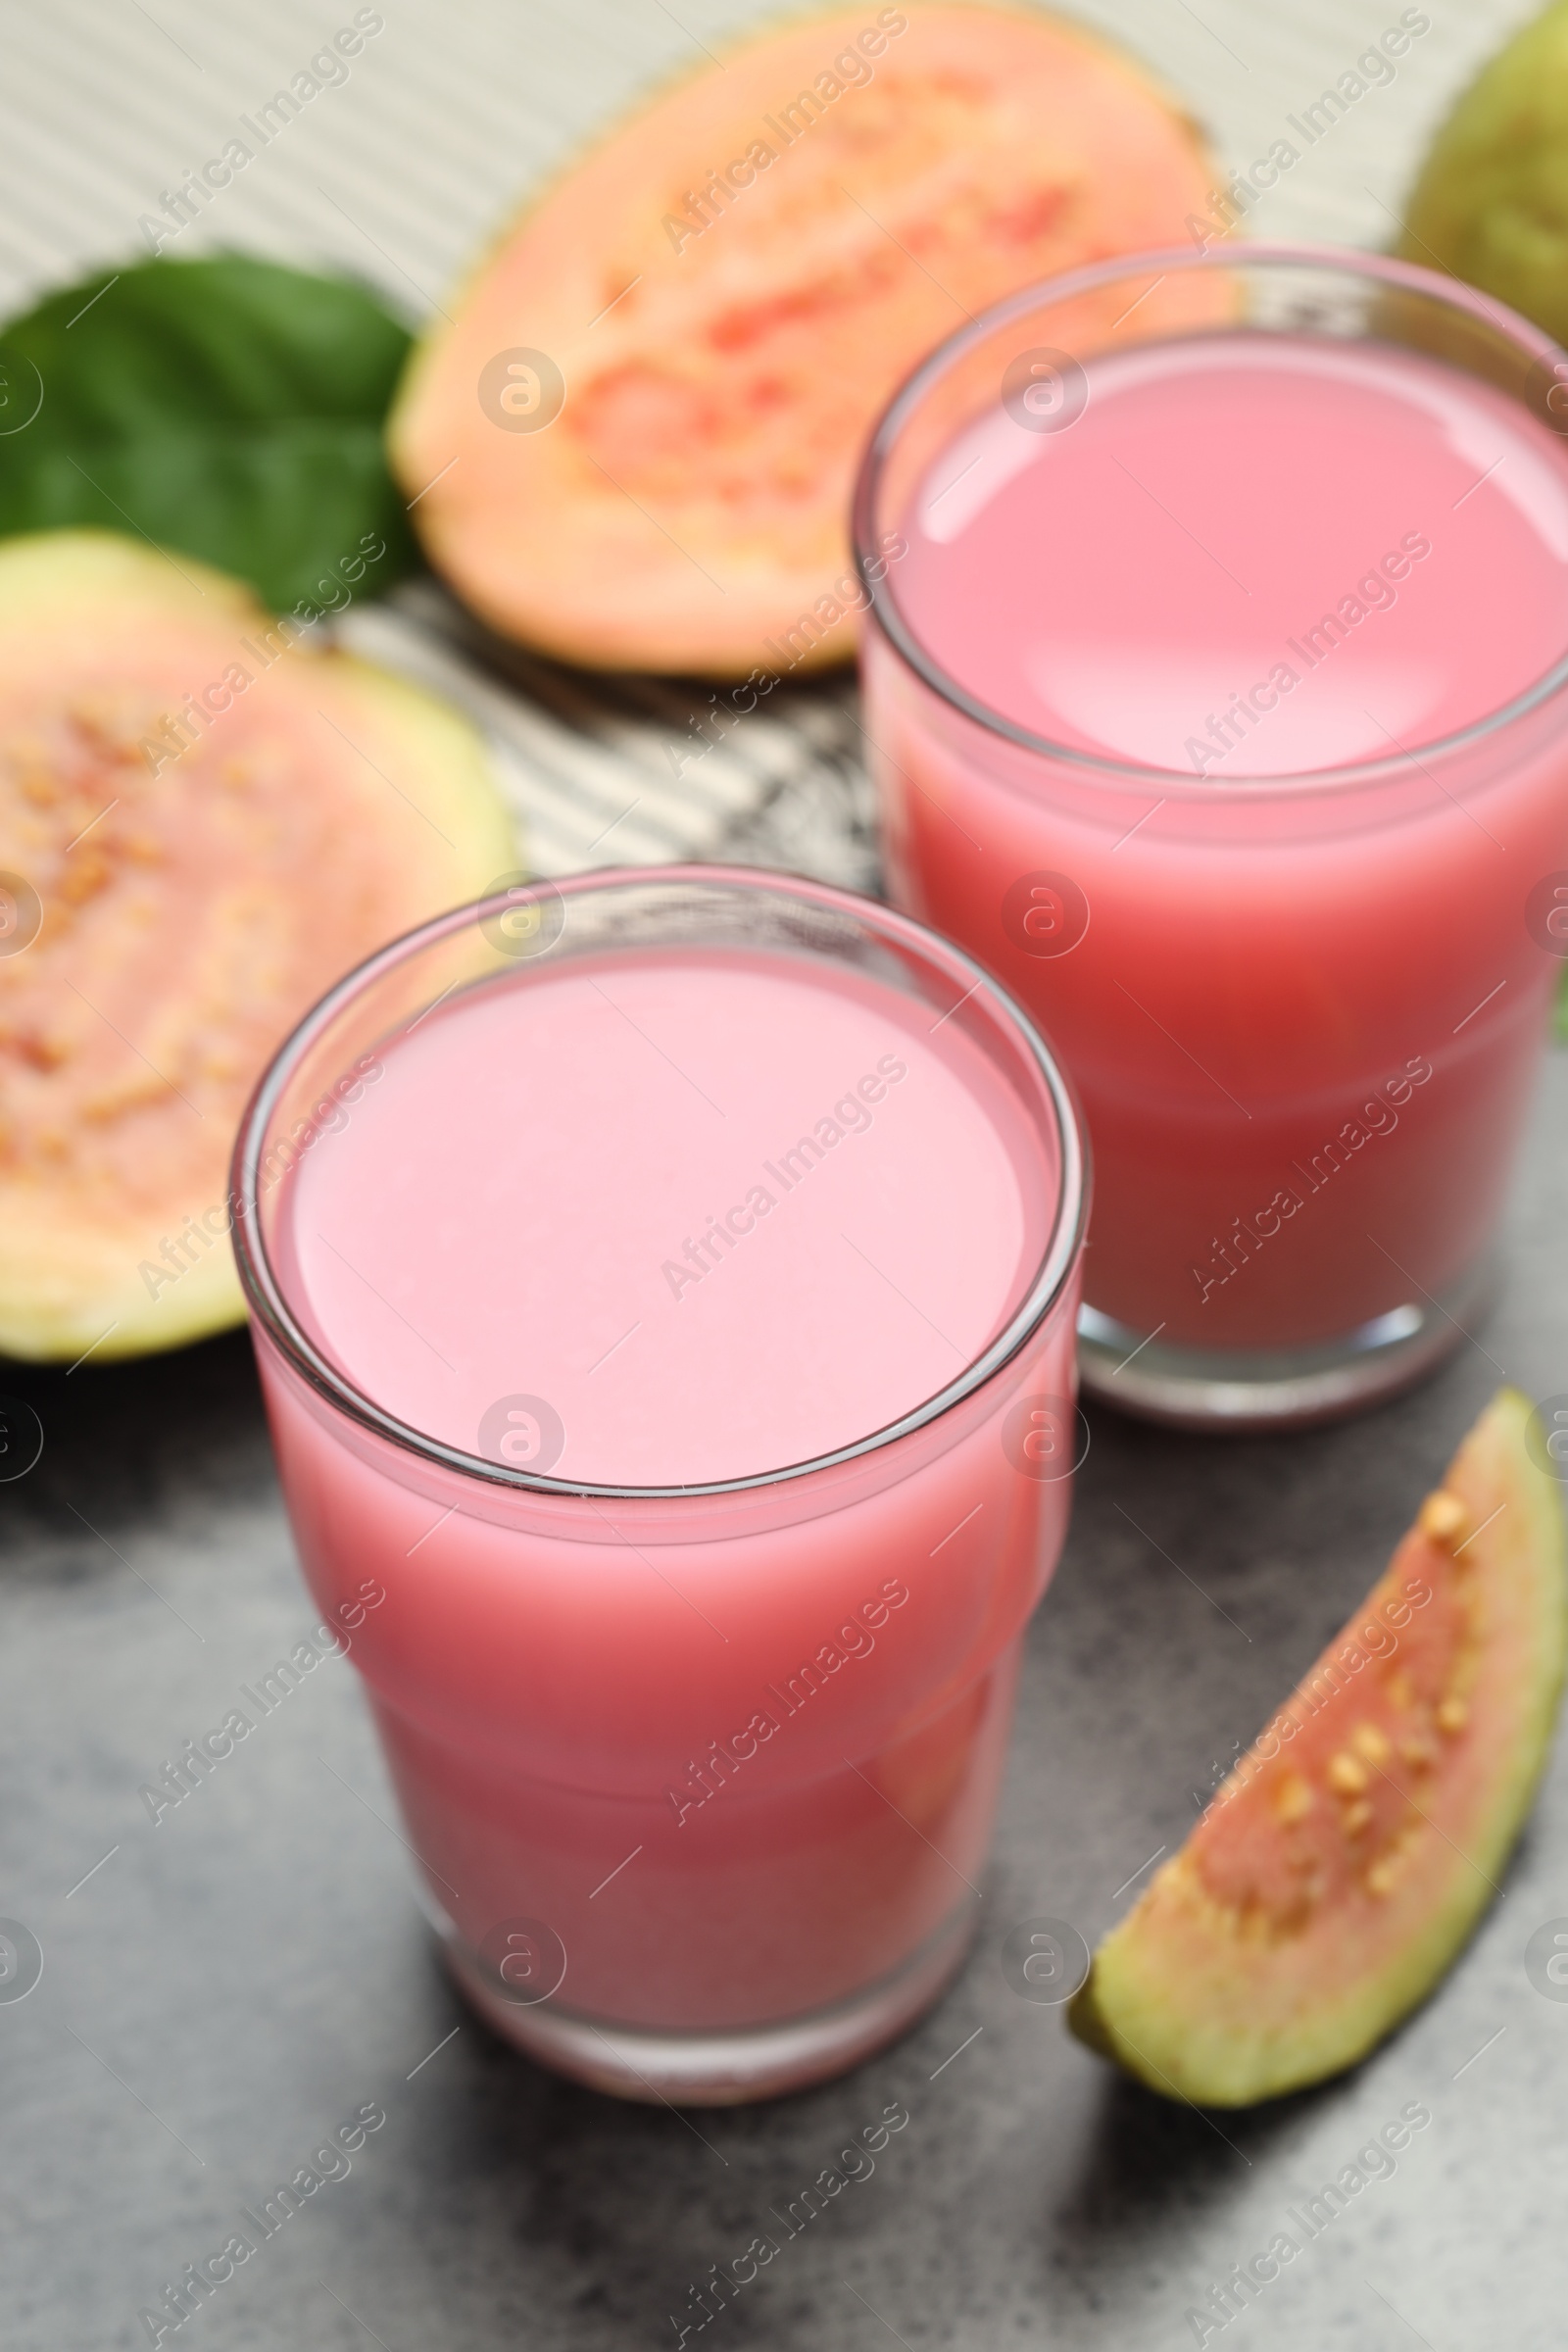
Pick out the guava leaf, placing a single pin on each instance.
(227, 408)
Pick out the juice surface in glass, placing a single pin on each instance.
(1195, 646)
(1377, 553)
(650, 1226)
(720, 1214)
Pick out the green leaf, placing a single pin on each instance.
(229, 407)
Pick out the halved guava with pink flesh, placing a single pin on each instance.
(1348, 1857)
(634, 443)
(201, 827)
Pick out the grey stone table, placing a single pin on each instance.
(222, 1991)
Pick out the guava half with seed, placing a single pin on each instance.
(1349, 1856)
(201, 826)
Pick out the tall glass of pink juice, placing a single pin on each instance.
(1217, 706)
(664, 1289)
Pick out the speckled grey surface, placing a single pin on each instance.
(228, 1988)
(231, 1985)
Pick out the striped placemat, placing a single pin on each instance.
(622, 771)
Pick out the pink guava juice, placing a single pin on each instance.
(1184, 711)
(679, 1328)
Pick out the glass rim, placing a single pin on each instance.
(267, 1304)
(881, 602)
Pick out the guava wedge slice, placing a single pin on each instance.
(634, 443)
(201, 827)
(1352, 1851)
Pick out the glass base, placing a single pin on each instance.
(721, 2069)
(1246, 1389)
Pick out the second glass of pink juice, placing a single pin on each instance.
(1217, 706)
(664, 1293)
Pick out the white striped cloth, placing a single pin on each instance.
(615, 771)
(403, 170)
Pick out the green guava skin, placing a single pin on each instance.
(1490, 204)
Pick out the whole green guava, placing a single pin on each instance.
(1492, 202)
